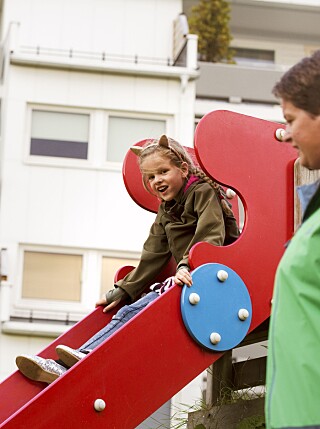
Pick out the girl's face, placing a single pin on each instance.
(303, 132)
(163, 177)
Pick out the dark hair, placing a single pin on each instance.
(300, 85)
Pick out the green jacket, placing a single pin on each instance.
(293, 368)
(194, 216)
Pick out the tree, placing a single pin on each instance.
(209, 19)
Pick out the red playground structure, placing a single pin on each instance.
(144, 364)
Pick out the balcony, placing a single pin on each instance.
(71, 59)
(238, 83)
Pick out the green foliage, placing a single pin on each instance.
(180, 417)
(253, 422)
(209, 19)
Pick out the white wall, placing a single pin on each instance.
(122, 27)
(56, 204)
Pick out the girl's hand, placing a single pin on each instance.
(108, 307)
(101, 301)
(183, 277)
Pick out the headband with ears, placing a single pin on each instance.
(163, 141)
(136, 150)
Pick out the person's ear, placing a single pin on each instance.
(185, 169)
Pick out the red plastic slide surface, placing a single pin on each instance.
(150, 359)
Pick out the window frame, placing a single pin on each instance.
(56, 160)
(91, 282)
(129, 256)
(167, 119)
(98, 136)
(41, 304)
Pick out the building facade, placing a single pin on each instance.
(80, 83)
(268, 37)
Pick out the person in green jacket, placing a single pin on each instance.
(293, 370)
(193, 208)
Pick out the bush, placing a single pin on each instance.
(209, 19)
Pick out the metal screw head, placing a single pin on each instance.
(194, 298)
(243, 314)
(215, 338)
(279, 134)
(99, 405)
(222, 275)
(230, 193)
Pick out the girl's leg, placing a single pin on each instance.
(48, 370)
(119, 319)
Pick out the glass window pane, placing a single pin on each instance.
(59, 134)
(53, 276)
(109, 267)
(254, 55)
(125, 132)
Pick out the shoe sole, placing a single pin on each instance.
(66, 357)
(34, 371)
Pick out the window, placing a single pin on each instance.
(52, 276)
(124, 132)
(109, 267)
(59, 134)
(257, 56)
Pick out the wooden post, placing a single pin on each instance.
(220, 378)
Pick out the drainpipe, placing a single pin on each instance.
(5, 288)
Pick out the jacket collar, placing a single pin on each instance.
(176, 206)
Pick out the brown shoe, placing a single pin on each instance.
(38, 369)
(68, 355)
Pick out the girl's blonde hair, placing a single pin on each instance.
(175, 152)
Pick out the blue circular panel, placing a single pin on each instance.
(217, 310)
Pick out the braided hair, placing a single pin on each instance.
(175, 152)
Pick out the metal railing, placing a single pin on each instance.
(95, 56)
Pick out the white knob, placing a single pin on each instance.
(215, 338)
(99, 405)
(230, 193)
(280, 133)
(194, 298)
(222, 275)
(243, 314)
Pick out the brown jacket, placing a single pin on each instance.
(194, 216)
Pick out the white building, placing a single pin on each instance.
(268, 37)
(81, 81)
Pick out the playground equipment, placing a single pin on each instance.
(144, 364)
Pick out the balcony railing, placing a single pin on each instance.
(94, 56)
(238, 82)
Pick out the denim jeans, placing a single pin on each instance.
(119, 319)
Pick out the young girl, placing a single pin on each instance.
(193, 208)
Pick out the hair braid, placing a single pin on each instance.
(226, 206)
(177, 155)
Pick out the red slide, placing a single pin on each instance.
(145, 363)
